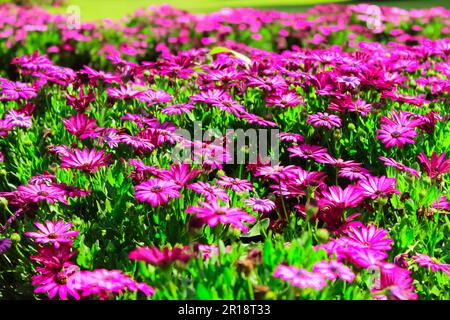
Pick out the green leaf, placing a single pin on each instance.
(238, 55)
(257, 228)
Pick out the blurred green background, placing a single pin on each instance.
(115, 9)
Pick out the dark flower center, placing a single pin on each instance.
(308, 152)
(42, 193)
(324, 118)
(395, 134)
(259, 202)
(52, 236)
(221, 212)
(156, 189)
(355, 169)
(61, 279)
(18, 89)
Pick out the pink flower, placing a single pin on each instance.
(284, 100)
(122, 92)
(425, 260)
(354, 173)
(324, 119)
(213, 213)
(153, 97)
(236, 184)
(137, 142)
(349, 81)
(178, 109)
(291, 137)
(41, 192)
(208, 250)
(53, 232)
(260, 205)
(349, 197)
(162, 257)
(360, 106)
(17, 90)
(179, 173)
(375, 187)
(106, 283)
(334, 269)
(277, 172)
(393, 163)
(300, 277)
(394, 284)
(396, 135)
(210, 192)
(307, 151)
(84, 160)
(61, 282)
(367, 238)
(80, 125)
(442, 204)
(17, 118)
(157, 191)
(435, 167)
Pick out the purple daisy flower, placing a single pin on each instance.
(324, 119)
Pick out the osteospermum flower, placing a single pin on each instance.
(157, 191)
(213, 213)
(375, 187)
(53, 232)
(210, 192)
(17, 90)
(80, 125)
(335, 196)
(5, 244)
(260, 205)
(84, 160)
(153, 97)
(277, 172)
(162, 257)
(17, 118)
(207, 251)
(178, 109)
(394, 163)
(106, 283)
(441, 204)
(324, 119)
(300, 277)
(353, 173)
(235, 184)
(42, 192)
(349, 81)
(61, 282)
(284, 100)
(396, 135)
(425, 260)
(436, 166)
(360, 106)
(307, 151)
(367, 238)
(334, 269)
(394, 284)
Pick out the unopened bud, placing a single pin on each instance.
(15, 238)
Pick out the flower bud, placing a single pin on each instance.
(15, 238)
(337, 134)
(382, 200)
(322, 235)
(351, 127)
